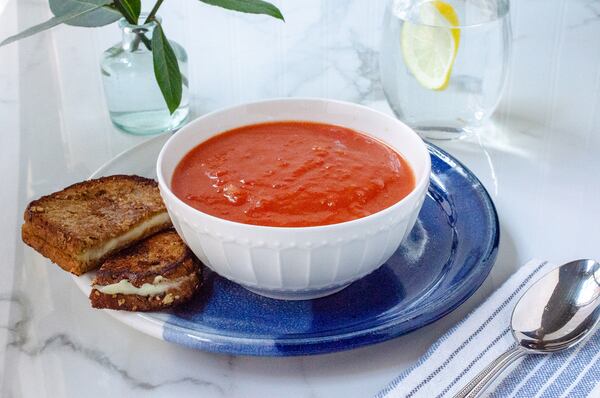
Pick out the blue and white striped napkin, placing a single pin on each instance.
(483, 335)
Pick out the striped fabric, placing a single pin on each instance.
(483, 335)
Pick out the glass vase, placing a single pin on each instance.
(134, 100)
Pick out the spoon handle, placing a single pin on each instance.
(487, 375)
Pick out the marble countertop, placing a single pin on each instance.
(538, 159)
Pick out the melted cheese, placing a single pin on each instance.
(131, 235)
(159, 286)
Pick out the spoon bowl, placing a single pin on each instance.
(557, 312)
(560, 309)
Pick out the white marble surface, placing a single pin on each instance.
(539, 160)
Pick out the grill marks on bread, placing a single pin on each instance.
(163, 254)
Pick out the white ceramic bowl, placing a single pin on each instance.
(296, 263)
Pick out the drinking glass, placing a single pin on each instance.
(444, 63)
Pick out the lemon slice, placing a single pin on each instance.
(429, 48)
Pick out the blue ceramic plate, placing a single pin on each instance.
(443, 261)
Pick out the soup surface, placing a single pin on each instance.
(292, 174)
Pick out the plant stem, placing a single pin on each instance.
(152, 14)
(146, 42)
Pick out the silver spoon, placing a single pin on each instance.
(557, 312)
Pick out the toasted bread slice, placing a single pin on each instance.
(80, 226)
(157, 273)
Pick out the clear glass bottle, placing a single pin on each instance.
(134, 100)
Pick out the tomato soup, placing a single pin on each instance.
(292, 174)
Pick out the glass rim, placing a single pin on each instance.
(504, 12)
(129, 27)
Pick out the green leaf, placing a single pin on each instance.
(52, 22)
(166, 69)
(248, 6)
(130, 9)
(99, 16)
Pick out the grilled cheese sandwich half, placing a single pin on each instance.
(82, 225)
(157, 273)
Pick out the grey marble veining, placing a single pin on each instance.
(538, 160)
(20, 341)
